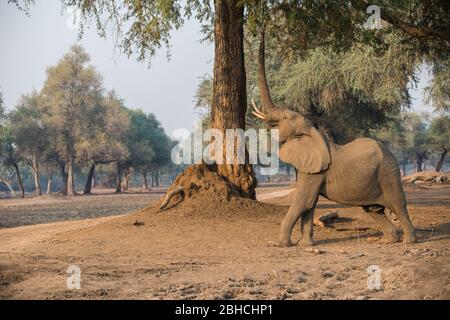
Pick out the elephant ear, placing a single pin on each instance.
(308, 153)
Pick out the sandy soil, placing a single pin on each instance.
(227, 255)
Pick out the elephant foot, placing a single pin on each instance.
(409, 238)
(285, 243)
(391, 238)
(307, 242)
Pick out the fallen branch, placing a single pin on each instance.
(428, 177)
(170, 195)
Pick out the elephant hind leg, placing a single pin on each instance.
(377, 213)
(396, 202)
(399, 208)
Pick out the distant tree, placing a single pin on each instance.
(417, 137)
(439, 135)
(9, 154)
(72, 91)
(162, 146)
(6, 172)
(104, 138)
(31, 133)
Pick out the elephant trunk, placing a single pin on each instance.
(264, 93)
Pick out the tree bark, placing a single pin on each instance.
(229, 103)
(19, 179)
(441, 161)
(37, 182)
(88, 186)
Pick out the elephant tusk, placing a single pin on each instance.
(256, 108)
(257, 113)
(259, 116)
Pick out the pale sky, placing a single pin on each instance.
(30, 44)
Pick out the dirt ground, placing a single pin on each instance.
(21, 212)
(208, 254)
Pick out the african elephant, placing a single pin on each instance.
(361, 173)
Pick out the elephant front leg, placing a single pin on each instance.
(287, 225)
(307, 227)
(303, 204)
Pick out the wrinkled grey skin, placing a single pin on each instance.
(362, 173)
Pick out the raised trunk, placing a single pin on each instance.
(229, 103)
(37, 182)
(264, 92)
(88, 186)
(19, 180)
(441, 161)
(119, 179)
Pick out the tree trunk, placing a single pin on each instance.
(419, 162)
(19, 179)
(441, 160)
(62, 167)
(88, 186)
(70, 177)
(126, 179)
(49, 185)
(37, 182)
(296, 174)
(119, 179)
(144, 174)
(157, 178)
(229, 103)
(11, 190)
